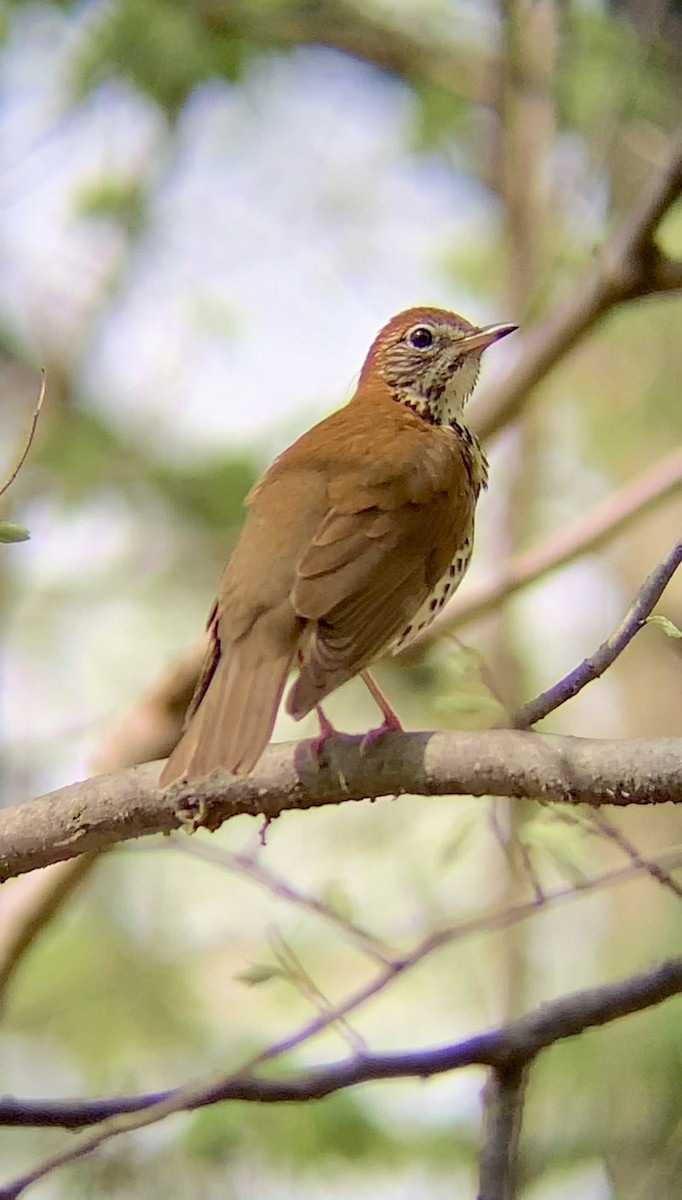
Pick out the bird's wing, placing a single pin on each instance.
(384, 544)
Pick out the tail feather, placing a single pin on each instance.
(234, 721)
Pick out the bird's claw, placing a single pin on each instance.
(391, 724)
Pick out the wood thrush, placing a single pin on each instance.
(354, 539)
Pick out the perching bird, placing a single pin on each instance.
(354, 539)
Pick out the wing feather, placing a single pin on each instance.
(373, 563)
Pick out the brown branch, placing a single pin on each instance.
(507, 1050)
(148, 731)
(100, 812)
(582, 536)
(151, 729)
(502, 1111)
(416, 54)
(628, 267)
(31, 910)
(594, 666)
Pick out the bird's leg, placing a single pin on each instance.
(327, 730)
(391, 722)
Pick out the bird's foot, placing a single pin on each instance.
(390, 724)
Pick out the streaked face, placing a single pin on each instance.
(431, 359)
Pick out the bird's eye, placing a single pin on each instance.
(421, 337)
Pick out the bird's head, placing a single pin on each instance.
(430, 358)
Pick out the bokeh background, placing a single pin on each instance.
(208, 210)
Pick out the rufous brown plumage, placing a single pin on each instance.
(355, 537)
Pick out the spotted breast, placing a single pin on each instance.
(477, 468)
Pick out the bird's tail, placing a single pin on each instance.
(234, 721)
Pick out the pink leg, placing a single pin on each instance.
(391, 722)
(327, 730)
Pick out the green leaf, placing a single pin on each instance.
(260, 973)
(665, 624)
(13, 533)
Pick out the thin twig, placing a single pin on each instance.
(29, 440)
(78, 1113)
(594, 666)
(292, 968)
(247, 866)
(602, 826)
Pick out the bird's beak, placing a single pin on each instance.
(480, 339)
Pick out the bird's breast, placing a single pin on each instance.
(443, 591)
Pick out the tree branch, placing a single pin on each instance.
(107, 809)
(32, 909)
(413, 54)
(629, 266)
(508, 1050)
(594, 666)
(502, 1111)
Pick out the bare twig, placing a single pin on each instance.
(504, 1048)
(292, 969)
(582, 536)
(629, 266)
(246, 1085)
(29, 440)
(602, 826)
(249, 868)
(594, 666)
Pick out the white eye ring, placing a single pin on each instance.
(420, 337)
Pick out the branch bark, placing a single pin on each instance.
(502, 1112)
(509, 1046)
(99, 812)
(594, 666)
(630, 265)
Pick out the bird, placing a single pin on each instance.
(354, 539)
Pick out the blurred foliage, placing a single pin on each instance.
(109, 1000)
(596, 99)
(163, 47)
(97, 992)
(80, 452)
(341, 1128)
(120, 200)
(629, 1111)
(211, 492)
